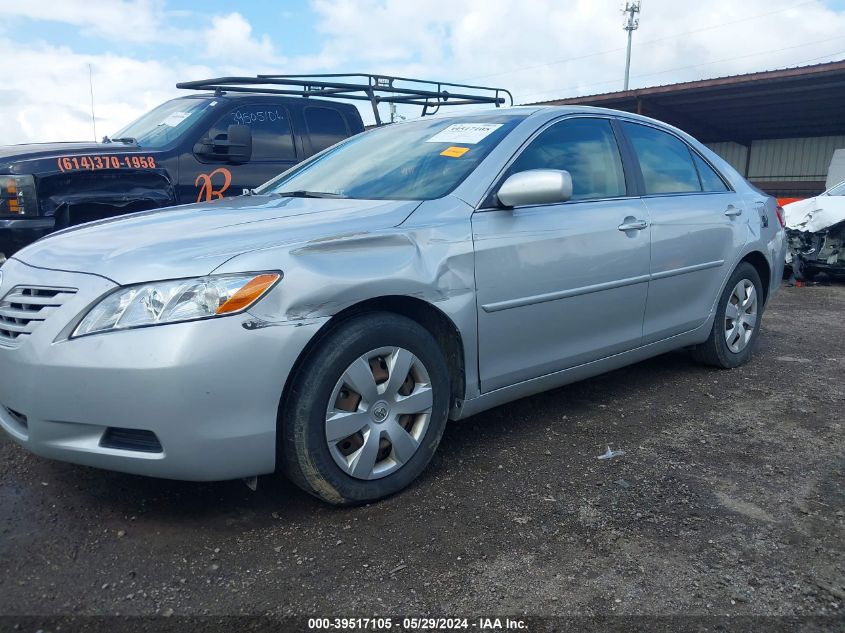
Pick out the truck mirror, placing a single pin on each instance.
(239, 141)
(235, 146)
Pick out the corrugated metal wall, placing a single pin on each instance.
(732, 152)
(782, 159)
(793, 158)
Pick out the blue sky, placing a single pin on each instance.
(540, 49)
(292, 26)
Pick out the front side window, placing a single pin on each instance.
(418, 160)
(270, 126)
(325, 127)
(587, 149)
(665, 161)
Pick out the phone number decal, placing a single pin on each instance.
(92, 163)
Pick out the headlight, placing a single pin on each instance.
(173, 301)
(17, 195)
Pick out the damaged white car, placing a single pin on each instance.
(816, 234)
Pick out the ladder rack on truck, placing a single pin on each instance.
(430, 95)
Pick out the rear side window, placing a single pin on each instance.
(710, 180)
(271, 132)
(665, 161)
(325, 127)
(587, 149)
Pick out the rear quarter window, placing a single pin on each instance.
(325, 127)
(710, 180)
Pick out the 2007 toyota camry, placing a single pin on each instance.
(331, 323)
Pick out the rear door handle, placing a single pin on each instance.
(732, 211)
(633, 225)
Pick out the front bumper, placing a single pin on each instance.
(209, 390)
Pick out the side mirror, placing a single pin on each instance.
(535, 186)
(234, 147)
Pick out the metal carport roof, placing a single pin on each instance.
(787, 103)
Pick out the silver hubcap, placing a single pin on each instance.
(378, 413)
(740, 316)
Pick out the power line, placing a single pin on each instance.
(715, 61)
(645, 43)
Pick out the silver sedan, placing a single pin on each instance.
(330, 324)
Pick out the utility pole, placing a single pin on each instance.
(632, 21)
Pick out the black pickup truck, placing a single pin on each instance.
(194, 148)
(236, 134)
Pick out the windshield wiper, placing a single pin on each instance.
(301, 193)
(129, 140)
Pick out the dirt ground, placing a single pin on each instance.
(729, 499)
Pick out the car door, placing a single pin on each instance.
(697, 225)
(559, 285)
(204, 177)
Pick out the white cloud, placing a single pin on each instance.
(127, 20)
(540, 49)
(54, 102)
(513, 43)
(230, 37)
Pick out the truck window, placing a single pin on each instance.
(325, 127)
(271, 132)
(166, 123)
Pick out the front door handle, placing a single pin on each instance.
(733, 211)
(633, 225)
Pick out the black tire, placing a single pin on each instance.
(808, 274)
(303, 448)
(715, 351)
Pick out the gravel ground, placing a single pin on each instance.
(729, 499)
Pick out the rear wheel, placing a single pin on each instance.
(366, 411)
(737, 323)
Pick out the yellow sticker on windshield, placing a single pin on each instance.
(454, 152)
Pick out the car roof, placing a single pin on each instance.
(548, 112)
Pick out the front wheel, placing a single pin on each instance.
(366, 410)
(737, 323)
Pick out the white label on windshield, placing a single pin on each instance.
(175, 119)
(465, 133)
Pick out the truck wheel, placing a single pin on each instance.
(366, 411)
(737, 323)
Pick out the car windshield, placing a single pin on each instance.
(163, 125)
(838, 190)
(419, 160)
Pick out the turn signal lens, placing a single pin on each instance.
(17, 195)
(249, 293)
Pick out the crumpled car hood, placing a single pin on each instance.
(194, 240)
(815, 214)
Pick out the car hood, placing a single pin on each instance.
(10, 154)
(194, 240)
(815, 214)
